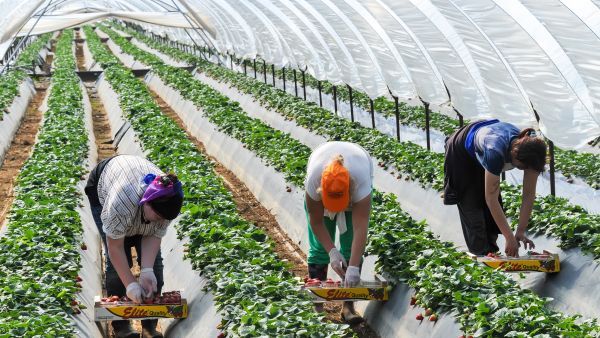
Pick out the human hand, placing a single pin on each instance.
(352, 276)
(511, 248)
(148, 282)
(527, 243)
(337, 262)
(134, 292)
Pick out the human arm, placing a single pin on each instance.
(360, 225)
(150, 247)
(315, 213)
(492, 192)
(116, 253)
(529, 186)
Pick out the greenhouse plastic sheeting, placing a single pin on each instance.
(578, 271)
(390, 319)
(513, 60)
(11, 118)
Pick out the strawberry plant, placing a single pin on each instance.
(253, 289)
(12, 79)
(483, 300)
(40, 250)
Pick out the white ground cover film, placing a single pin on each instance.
(11, 118)
(577, 280)
(203, 317)
(91, 259)
(395, 318)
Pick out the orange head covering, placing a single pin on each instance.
(335, 186)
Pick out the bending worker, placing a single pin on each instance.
(476, 156)
(133, 203)
(338, 194)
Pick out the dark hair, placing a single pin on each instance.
(530, 150)
(168, 207)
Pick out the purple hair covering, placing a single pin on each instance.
(159, 187)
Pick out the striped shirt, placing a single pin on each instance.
(120, 189)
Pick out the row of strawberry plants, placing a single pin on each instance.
(552, 216)
(484, 301)
(40, 252)
(12, 79)
(253, 289)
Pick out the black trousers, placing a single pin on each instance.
(464, 185)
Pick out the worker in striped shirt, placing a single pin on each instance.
(132, 203)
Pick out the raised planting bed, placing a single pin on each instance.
(484, 302)
(40, 252)
(254, 291)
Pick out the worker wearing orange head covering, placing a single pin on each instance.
(338, 196)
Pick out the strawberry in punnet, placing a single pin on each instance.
(419, 317)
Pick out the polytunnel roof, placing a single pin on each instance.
(507, 59)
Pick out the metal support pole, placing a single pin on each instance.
(273, 71)
(351, 103)
(255, 68)
(427, 121)
(295, 83)
(320, 95)
(552, 179)
(265, 70)
(283, 79)
(371, 105)
(335, 99)
(461, 120)
(397, 118)
(304, 84)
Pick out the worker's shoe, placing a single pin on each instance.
(149, 329)
(349, 315)
(123, 329)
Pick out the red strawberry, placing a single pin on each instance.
(433, 318)
(428, 312)
(419, 317)
(83, 246)
(78, 279)
(74, 302)
(413, 300)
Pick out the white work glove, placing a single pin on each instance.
(148, 282)
(337, 262)
(134, 292)
(352, 276)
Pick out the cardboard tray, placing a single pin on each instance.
(544, 262)
(127, 311)
(367, 290)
